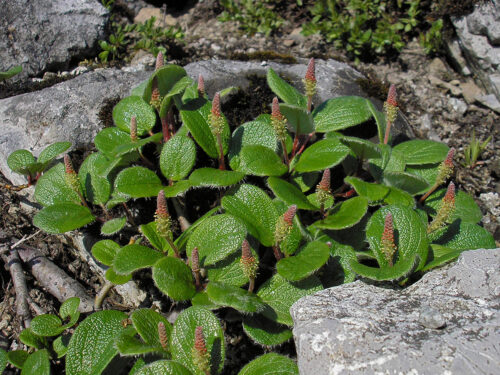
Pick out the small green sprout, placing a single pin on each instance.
(474, 150)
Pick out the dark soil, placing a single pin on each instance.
(242, 107)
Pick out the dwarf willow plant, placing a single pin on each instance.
(301, 207)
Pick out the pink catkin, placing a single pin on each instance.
(199, 341)
(161, 205)
(311, 71)
(388, 234)
(276, 113)
(391, 96)
(325, 181)
(68, 166)
(290, 214)
(195, 260)
(216, 105)
(159, 61)
(201, 85)
(449, 158)
(449, 197)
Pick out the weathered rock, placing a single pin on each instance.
(479, 38)
(46, 34)
(68, 111)
(489, 101)
(446, 323)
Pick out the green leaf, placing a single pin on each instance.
(229, 270)
(440, 255)
(139, 89)
(214, 177)
(146, 322)
(253, 206)
(92, 345)
(466, 208)
(17, 357)
(104, 251)
(401, 269)
(52, 188)
(344, 214)
(133, 257)
(138, 182)
(406, 181)
(69, 308)
(309, 259)
(299, 120)
(113, 226)
(422, 151)
(182, 339)
(284, 91)
(11, 72)
(251, 133)
(466, 236)
(261, 161)
(108, 139)
(362, 148)
(197, 121)
(62, 217)
(322, 155)
(96, 187)
(280, 295)
(50, 152)
(166, 77)
(399, 197)
(305, 181)
(46, 325)
(289, 193)
(130, 146)
(428, 172)
(150, 231)
(341, 113)
(264, 331)
(270, 363)
(37, 363)
(313, 199)
(134, 106)
(409, 232)
(235, 297)
(21, 161)
(216, 238)
(129, 344)
(60, 345)
(291, 242)
(379, 120)
(201, 300)
(116, 279)
(177, 158)
(371, 191)
(164, 367)
(174, 278)
(29, 338)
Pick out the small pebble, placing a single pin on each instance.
(431, 318)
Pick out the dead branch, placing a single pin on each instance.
(55, 280)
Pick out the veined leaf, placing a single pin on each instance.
(50, 152)
(402, 268)
(108, 139)
(96, 187)
(37, 363)
(285, 92)
(166, 77)
(182, 339)
(134, 106)
(261, 161)
(133, 257)
(344, 214)
(270, 363)
(214, 177)
(289, 193)
(52, 188)
(235, 297)
(146, 322)
(465, 236)
(138, 182)
(174, 278)
(62, 217)
(92, 345)
(113, 226)
(299, 120)
(322, 155)
(216, 238)
(362, 148)
(309, 259)
(264, 331)
(466, 208)
(177, 157)
(21, 161)
(406, 181)
(422, 151)
(164, 367)
(104, 251)
(341, 113)
(254, 207)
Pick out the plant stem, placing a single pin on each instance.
(277, 252)
(295, 144)
(99, 298)
(431, 190)
(172, 245)
(222, 165)
(251, 284)
(305, 143)
(129, 214)
(181, 216)
(285, 154)
(387, 132)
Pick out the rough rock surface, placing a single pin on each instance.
(479, 38)
(446, 323)
(69, 111)
(46, 34)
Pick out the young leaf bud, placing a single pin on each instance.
(216, 120)
(310, 79)
(159, 61)
(278, 121)
(133, 129)
(445, 209)
(284, 224)
(70, 175)
(248, 262)
(387, 244)
(201, 356)
(155, 96)
(162, 335)
(201, 86)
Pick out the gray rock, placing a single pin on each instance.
(489, 101)
(446, 323)
(479, 38)
(46, 34)
(68, 111)
(458, 106)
